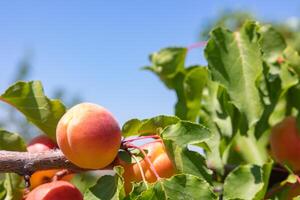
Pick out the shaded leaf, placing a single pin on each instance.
(11, 141)
(107, 187)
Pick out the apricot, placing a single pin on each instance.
(158, 156)
(293, 191)
(89, 136)
(285, 143)
(39, 144)
(57, 190)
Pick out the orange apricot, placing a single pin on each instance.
(159, 158)
(57, 190)
(285, 143)
(89, 136)
(41, 143)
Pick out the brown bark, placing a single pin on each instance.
(25, 163)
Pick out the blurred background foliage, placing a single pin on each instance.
(12, 119)
(233, 20)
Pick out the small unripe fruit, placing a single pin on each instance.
(89, 136)
(57, 190)
(285, 143)
(39, 144)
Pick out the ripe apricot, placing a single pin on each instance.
(159, 158)
(89, 136)
(39, 144)
(57, 190)
(285, 143)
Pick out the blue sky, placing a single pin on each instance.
(95, 48)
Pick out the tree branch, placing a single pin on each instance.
(25, 163)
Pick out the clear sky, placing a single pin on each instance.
(95, 48)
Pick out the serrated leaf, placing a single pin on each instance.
(29, 98)
(11, 141)
(167, 63)
(234, 60)
(247, 182)
(150, 126)
(138, 188)
(184, 133)
(107, 187)
(179, 187)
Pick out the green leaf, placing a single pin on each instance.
(29, 98)
(167, 63)
(2, 190)
(247, 182)
(107, 187)
(13, 186)
(184, 133)
(11, 141)
(179, 187)
(150, 126)
(189, 94)
(186, 161)
(138, 188)
(84, 180)
(131, 127)
(272, 43)
(234, 60)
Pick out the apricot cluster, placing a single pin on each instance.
(90, 137)
(157, 157)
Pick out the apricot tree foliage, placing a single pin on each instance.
(227, 108)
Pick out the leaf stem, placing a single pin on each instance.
(141, 169)
(141, 138)
(129, 145)
(196, 45)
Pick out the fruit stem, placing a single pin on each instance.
(141, 138)
(147, 159)
(196, 45)
(141, 169)
(60, 174)
(27, 181)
